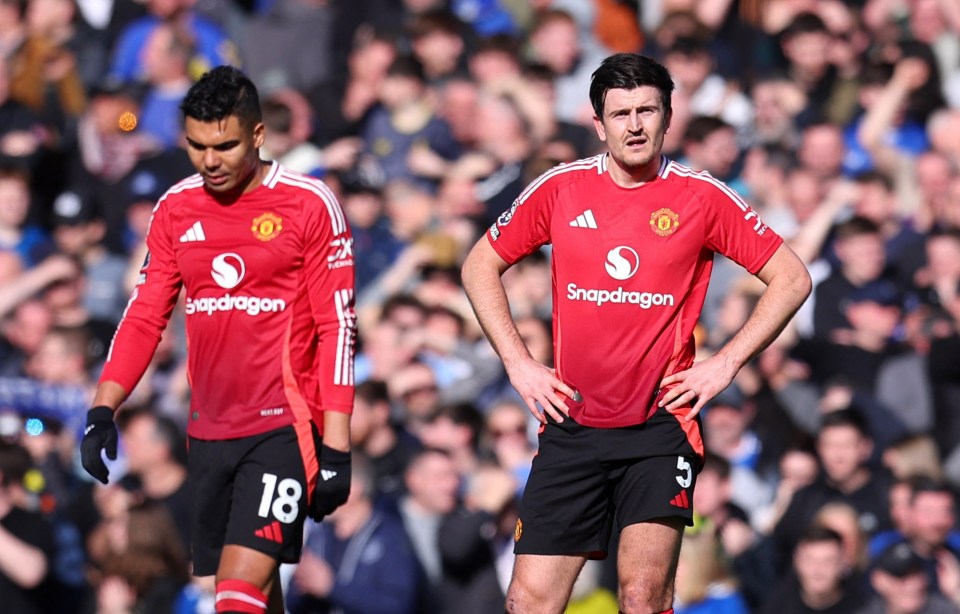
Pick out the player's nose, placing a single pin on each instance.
(211, 159)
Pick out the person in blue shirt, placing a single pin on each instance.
(212, 47)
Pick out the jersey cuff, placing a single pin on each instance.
(765, 258)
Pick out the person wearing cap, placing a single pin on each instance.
(901, 586)
(928, 525)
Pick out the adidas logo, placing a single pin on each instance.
(585, 220)
(681, 500)
(271, 532)
(326, 474)
(194, 233)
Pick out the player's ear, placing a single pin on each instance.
(598, 126)
(259, 134)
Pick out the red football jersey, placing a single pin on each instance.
(269, 304)
(630, 273)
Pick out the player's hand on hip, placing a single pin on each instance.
(333, 483)
(99, 435)
(538, 384)
(696, 386)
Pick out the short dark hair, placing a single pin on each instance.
(816, 533)
(857, 226)
(874, 177)
(15, 461)
(277, 116)
(713, 462)
(845, 417)
(435, 20)
(688, 47)
(372, 391)
(924, 484)
(165, 429)
(702, 126)
(804, 23)
(220, 93)
(629, 71)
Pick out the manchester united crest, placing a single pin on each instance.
(518, 531)
(267, 226)
(664, 222)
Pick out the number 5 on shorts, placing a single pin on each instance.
(683, 480)
(285, 506)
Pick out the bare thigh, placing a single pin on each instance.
(647, 565)
(541, 584)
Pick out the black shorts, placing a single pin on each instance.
(585, 481)
(250, 492)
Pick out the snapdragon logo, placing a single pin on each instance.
(252, 305)
(622, 262)
(645, 300)
(228, 271)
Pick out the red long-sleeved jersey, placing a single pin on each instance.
(269, 304)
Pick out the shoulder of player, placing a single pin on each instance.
(700, 183)
(563, 175)
(313, 194)
(180, 192)
(299, 185)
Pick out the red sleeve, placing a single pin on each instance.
(525, 226)
(149, 309)
(329, 278)
(735, 230)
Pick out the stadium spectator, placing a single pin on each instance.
(844, 448)
(437, 42)
(456, 430)
(360, 560)
(404, 121)
(805, 43)
(19, 231)
(28, 543)
(818, 582)
(212, 47)
(691, 65)
(928, 527)
(155, 450)
(386, 445)
(507, 436)
(843, 519)
(475, 544)
(433, 486)
(143, 566)
(554, 42)
(45, 74)
(901, 585)
(79, 232)
(166, 66)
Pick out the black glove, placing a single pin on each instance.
(333, 483)
(100, 434)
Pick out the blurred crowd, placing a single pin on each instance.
(834, 459)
